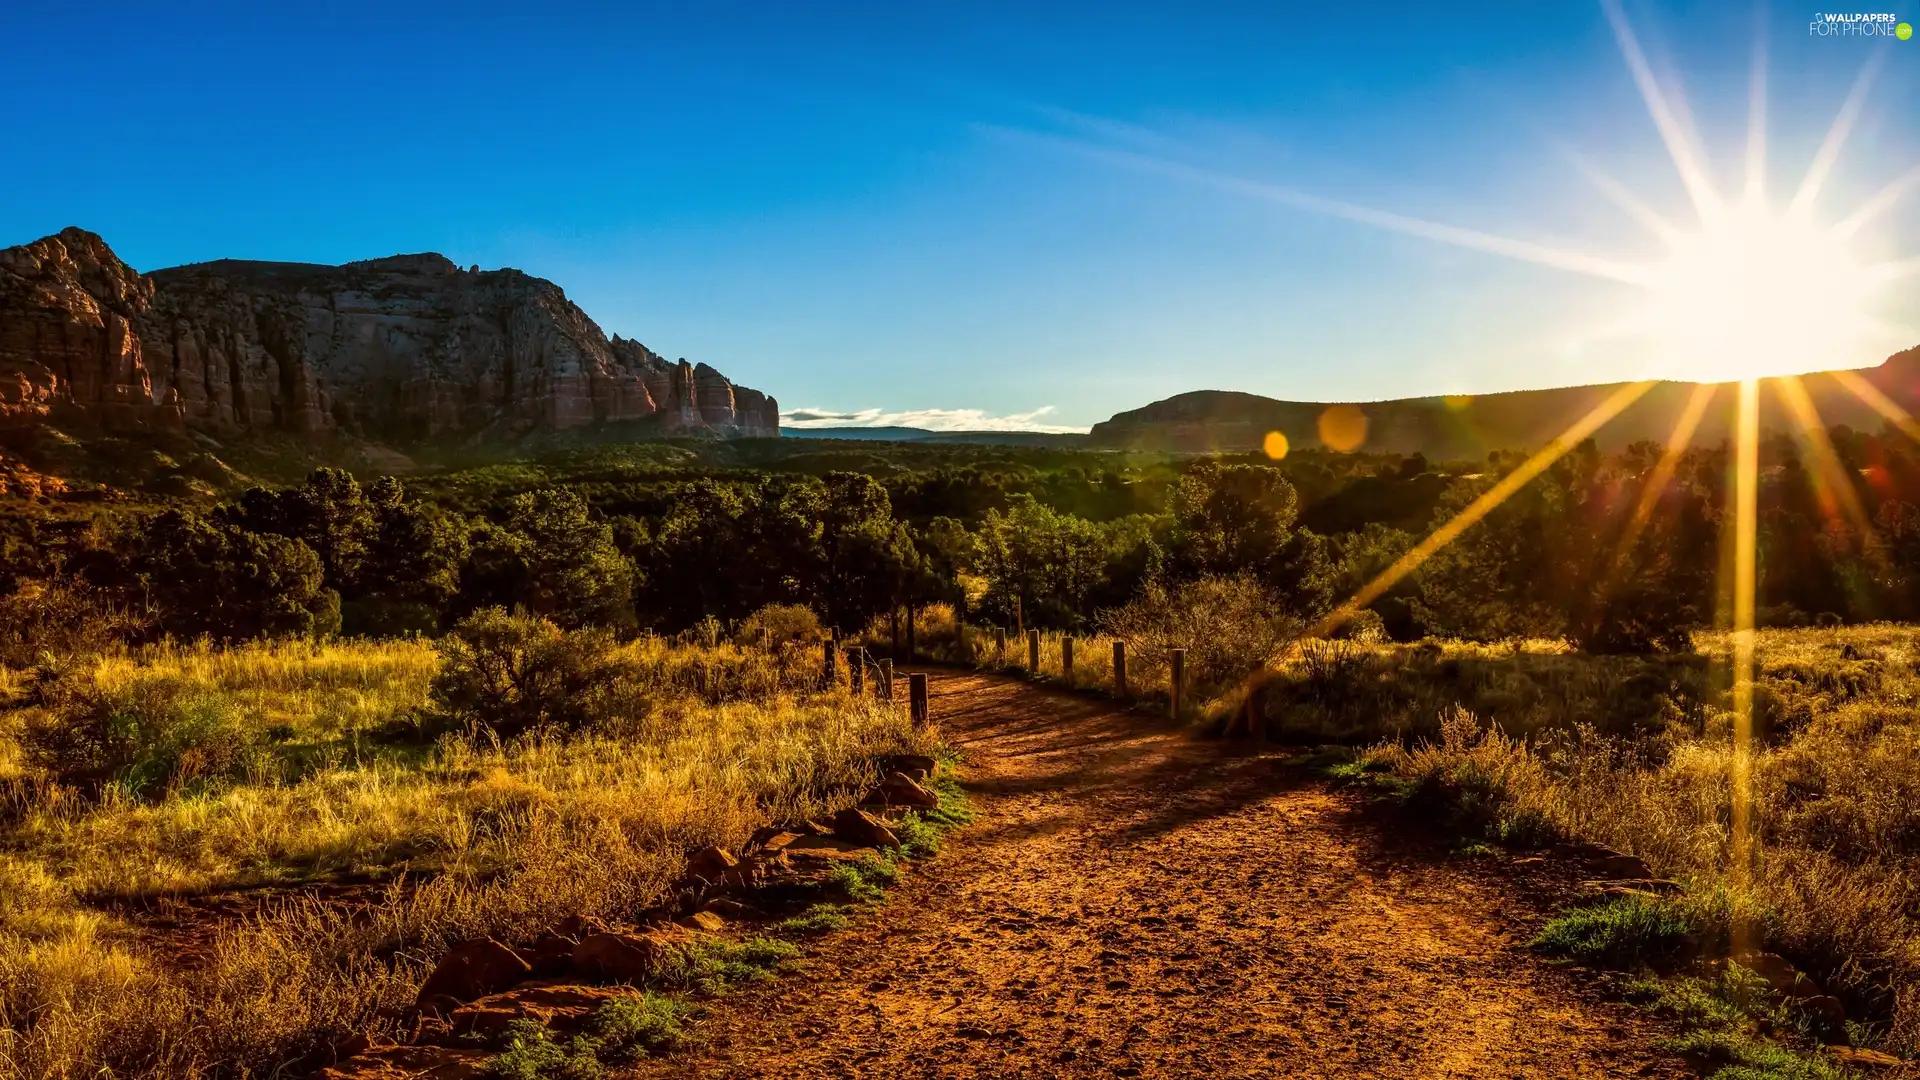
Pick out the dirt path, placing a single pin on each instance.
(1132, 903)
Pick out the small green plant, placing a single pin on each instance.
(1624, 933)
(819, 919)
(532, 1053)
(630, 1028)
(1735, 1055)
(714, 965)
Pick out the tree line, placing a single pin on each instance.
(1615, 552)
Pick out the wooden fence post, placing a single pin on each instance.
(1179, 657)
(917, 698)
(1119, 669)
(1033, 653)
(1000, 645)
(829, 673)
(1066, 660)
(910, 641)
(856, 672)
(886, 679)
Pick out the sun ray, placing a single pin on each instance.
(1614, 404)
(1523, 250)
(1757, 114)
(1832, 486)
(1745, 546)
(1829, 152)
(1657, 480)
(1618, 194)
(1879, 202)
(1900, 418)
(1673, 131)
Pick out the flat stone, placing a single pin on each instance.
(563, 1006)
(411, 1063)
(706, 921)
(1860, 1058)
(818, 849)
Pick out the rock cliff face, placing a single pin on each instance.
(69, 349)
(397, 350)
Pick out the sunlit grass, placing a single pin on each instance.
(1637, 753)
(697, 746)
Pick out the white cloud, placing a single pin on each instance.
(926, 420)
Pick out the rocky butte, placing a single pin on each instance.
(401, 350)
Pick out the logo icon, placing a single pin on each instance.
(1903, 31)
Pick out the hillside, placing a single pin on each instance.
(1456, 428)
(396, 352)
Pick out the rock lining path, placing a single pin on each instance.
(1131, 902)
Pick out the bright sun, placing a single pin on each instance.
(1755, 292)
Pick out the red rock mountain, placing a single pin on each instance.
(397, 350)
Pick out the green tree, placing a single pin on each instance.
(212, 578)
(553, 556)
(330, 513)
(1239, 519)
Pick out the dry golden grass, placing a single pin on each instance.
(698, 745)
(1637, 753)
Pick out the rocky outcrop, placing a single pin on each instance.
(68, 346)
(398, 350)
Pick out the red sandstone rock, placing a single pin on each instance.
(391, 349)
(858, 827)
(475, 969)
(898, 789)
(625, 957)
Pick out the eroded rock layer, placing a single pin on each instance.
(398, 349)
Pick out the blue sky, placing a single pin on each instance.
(946, 214)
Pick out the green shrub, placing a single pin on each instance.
(149, 737)
(781, 624)
(629, 1028)
(513, 673)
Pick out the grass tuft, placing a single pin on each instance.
(1628, 932)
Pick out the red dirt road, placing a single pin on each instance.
(1130, 902)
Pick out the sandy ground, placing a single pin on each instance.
(1131, 902)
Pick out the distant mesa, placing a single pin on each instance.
(400, 350)
(1460, 427)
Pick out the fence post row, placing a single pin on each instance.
(1179, 682)
(1033, 652)
(917, 698)
(1066, 660)
(1119, 668)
